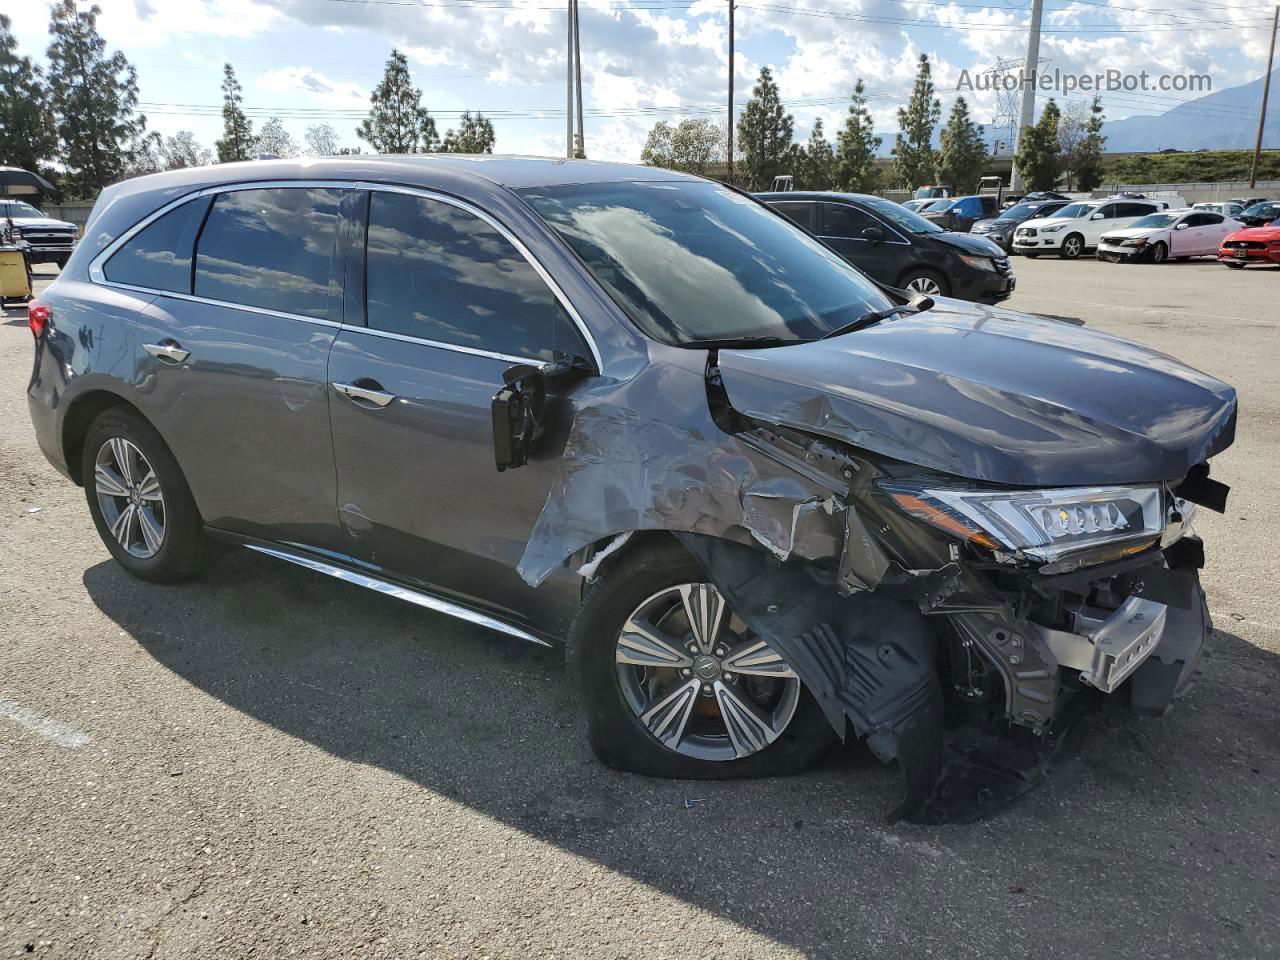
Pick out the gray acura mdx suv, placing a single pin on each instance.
(762, 499)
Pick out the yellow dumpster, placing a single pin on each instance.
(15, 278)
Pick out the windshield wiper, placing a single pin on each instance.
(916, 305)
(732, 343)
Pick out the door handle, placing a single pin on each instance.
(169, 350)
(373, 394)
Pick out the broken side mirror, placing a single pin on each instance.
(519, 409)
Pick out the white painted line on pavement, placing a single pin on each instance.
(47, 727)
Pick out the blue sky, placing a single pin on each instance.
(311, 61)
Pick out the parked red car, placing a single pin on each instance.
(1251, 245)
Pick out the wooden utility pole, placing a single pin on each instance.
(1266, 91)
(577, 72)
(730, 91)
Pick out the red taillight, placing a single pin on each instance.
(38, 315)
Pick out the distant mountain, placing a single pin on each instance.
(1225, 120)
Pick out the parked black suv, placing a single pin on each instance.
(761, 499)
(892, 244)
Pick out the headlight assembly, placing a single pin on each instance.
(980, 263)
(1052, 229)
(1047, 526)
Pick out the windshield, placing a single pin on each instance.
(1267, 210)
(697, 261)
(1156, 220)
(1075, 210)
(16, 208)
(900, 216)
(1024, 211)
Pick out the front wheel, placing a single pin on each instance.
(925, 281)
(1159, 253)
(676, 685)
(1072, 247)
(139, 499)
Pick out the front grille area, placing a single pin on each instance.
(1244, 245)
(48, 239)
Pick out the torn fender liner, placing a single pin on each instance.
(866, 658)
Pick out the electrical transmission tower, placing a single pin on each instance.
(1004, 123)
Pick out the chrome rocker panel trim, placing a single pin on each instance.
(399, 592)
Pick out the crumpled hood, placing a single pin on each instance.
(1130, 233)
(989, 394)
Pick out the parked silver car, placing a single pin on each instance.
(761, 499)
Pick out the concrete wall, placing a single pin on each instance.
(77, 213)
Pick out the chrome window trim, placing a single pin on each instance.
(97, 274)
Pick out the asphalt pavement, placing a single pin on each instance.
(269, 763)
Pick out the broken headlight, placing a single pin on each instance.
(1049, 526)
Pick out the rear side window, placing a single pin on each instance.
(272, 249)
(158, 257)
(799, 213)
(440, 273)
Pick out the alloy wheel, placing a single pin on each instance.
(1071, 247)
(129, 497)
(925, 285)
(699, 680)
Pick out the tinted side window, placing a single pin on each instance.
(441, 273)
(1206, 220)
(1108, 211)
(1134, 209)
(272, 249)
(159, 255)
(801, 213)
(839, 220)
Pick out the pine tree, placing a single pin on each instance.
(94, 97)
(856, 146)
(764, 134)
(913, 155)
(1088, 164)
(815, 169)
(474, 135)
(963, 156)
(397, 121)
(1039, 158)
(27, 137)
(237, 129)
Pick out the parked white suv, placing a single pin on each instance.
(1079, 226)
(1180, 234)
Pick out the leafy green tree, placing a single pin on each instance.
(816, 164)
(275, 140)
(27, 137)
(1039, 158)
(1088, 160)
(397, 121)
(474, 135)
(963, 156)
(856, 146)
(765, 133)
(94, 97)
(913, 155)
(237, 129)
(181, 150)
(692, 146)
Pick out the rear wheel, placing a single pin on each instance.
(676, 685)
(139, 499)
(1072, 247)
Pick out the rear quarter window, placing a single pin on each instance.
(158, 257)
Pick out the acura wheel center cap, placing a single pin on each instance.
(707, 668)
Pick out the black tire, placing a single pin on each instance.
(1031, 256)
(1232, 266)
(1069, 250)
(183, 546)
(1159, 253)
(923, 273)
(616, 734)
